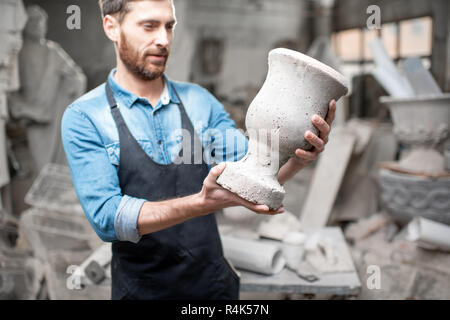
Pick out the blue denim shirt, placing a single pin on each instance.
(91, 142)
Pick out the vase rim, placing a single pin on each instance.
(314, 63)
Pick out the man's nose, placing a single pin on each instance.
(162, 38)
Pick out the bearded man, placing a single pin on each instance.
(124, 141)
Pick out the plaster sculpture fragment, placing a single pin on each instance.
(12, 20)
(50, 82)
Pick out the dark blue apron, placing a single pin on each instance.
(184, 261)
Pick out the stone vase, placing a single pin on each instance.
(419, 184)
(296, 88)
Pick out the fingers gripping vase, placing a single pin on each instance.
(296, 88)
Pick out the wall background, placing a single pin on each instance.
(244, 31)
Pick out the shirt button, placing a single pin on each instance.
(159, 141)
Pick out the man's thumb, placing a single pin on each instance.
(217, 170)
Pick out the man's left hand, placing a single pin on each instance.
(303, 157)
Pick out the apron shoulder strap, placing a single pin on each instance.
(185, 121)
(110, 96)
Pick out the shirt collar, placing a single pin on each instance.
(128, 99)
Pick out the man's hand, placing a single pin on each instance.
(303, 157)
(156, 216)
(215, 197)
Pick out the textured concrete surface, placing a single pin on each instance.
(406, 271)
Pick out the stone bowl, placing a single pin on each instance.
(406, 196)
(422, 120)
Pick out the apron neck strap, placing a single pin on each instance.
(110, 96)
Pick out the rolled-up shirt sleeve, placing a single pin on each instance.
(112, 215)
(126, 219)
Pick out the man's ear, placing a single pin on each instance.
(112, 28)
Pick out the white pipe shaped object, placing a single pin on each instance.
(420, 78)
(102, 255)
(253, 255)
(381, 57)
(396, 86)
(387, 73)
(429, 232)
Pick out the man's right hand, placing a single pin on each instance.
(214, 197)
(156, 216)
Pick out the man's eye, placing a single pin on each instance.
(170, 27)
(148, 26)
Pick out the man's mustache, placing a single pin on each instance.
(162, 52)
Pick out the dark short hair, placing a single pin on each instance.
(119, 7)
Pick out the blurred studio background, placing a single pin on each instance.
(382, 230)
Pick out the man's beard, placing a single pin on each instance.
(137, 64)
